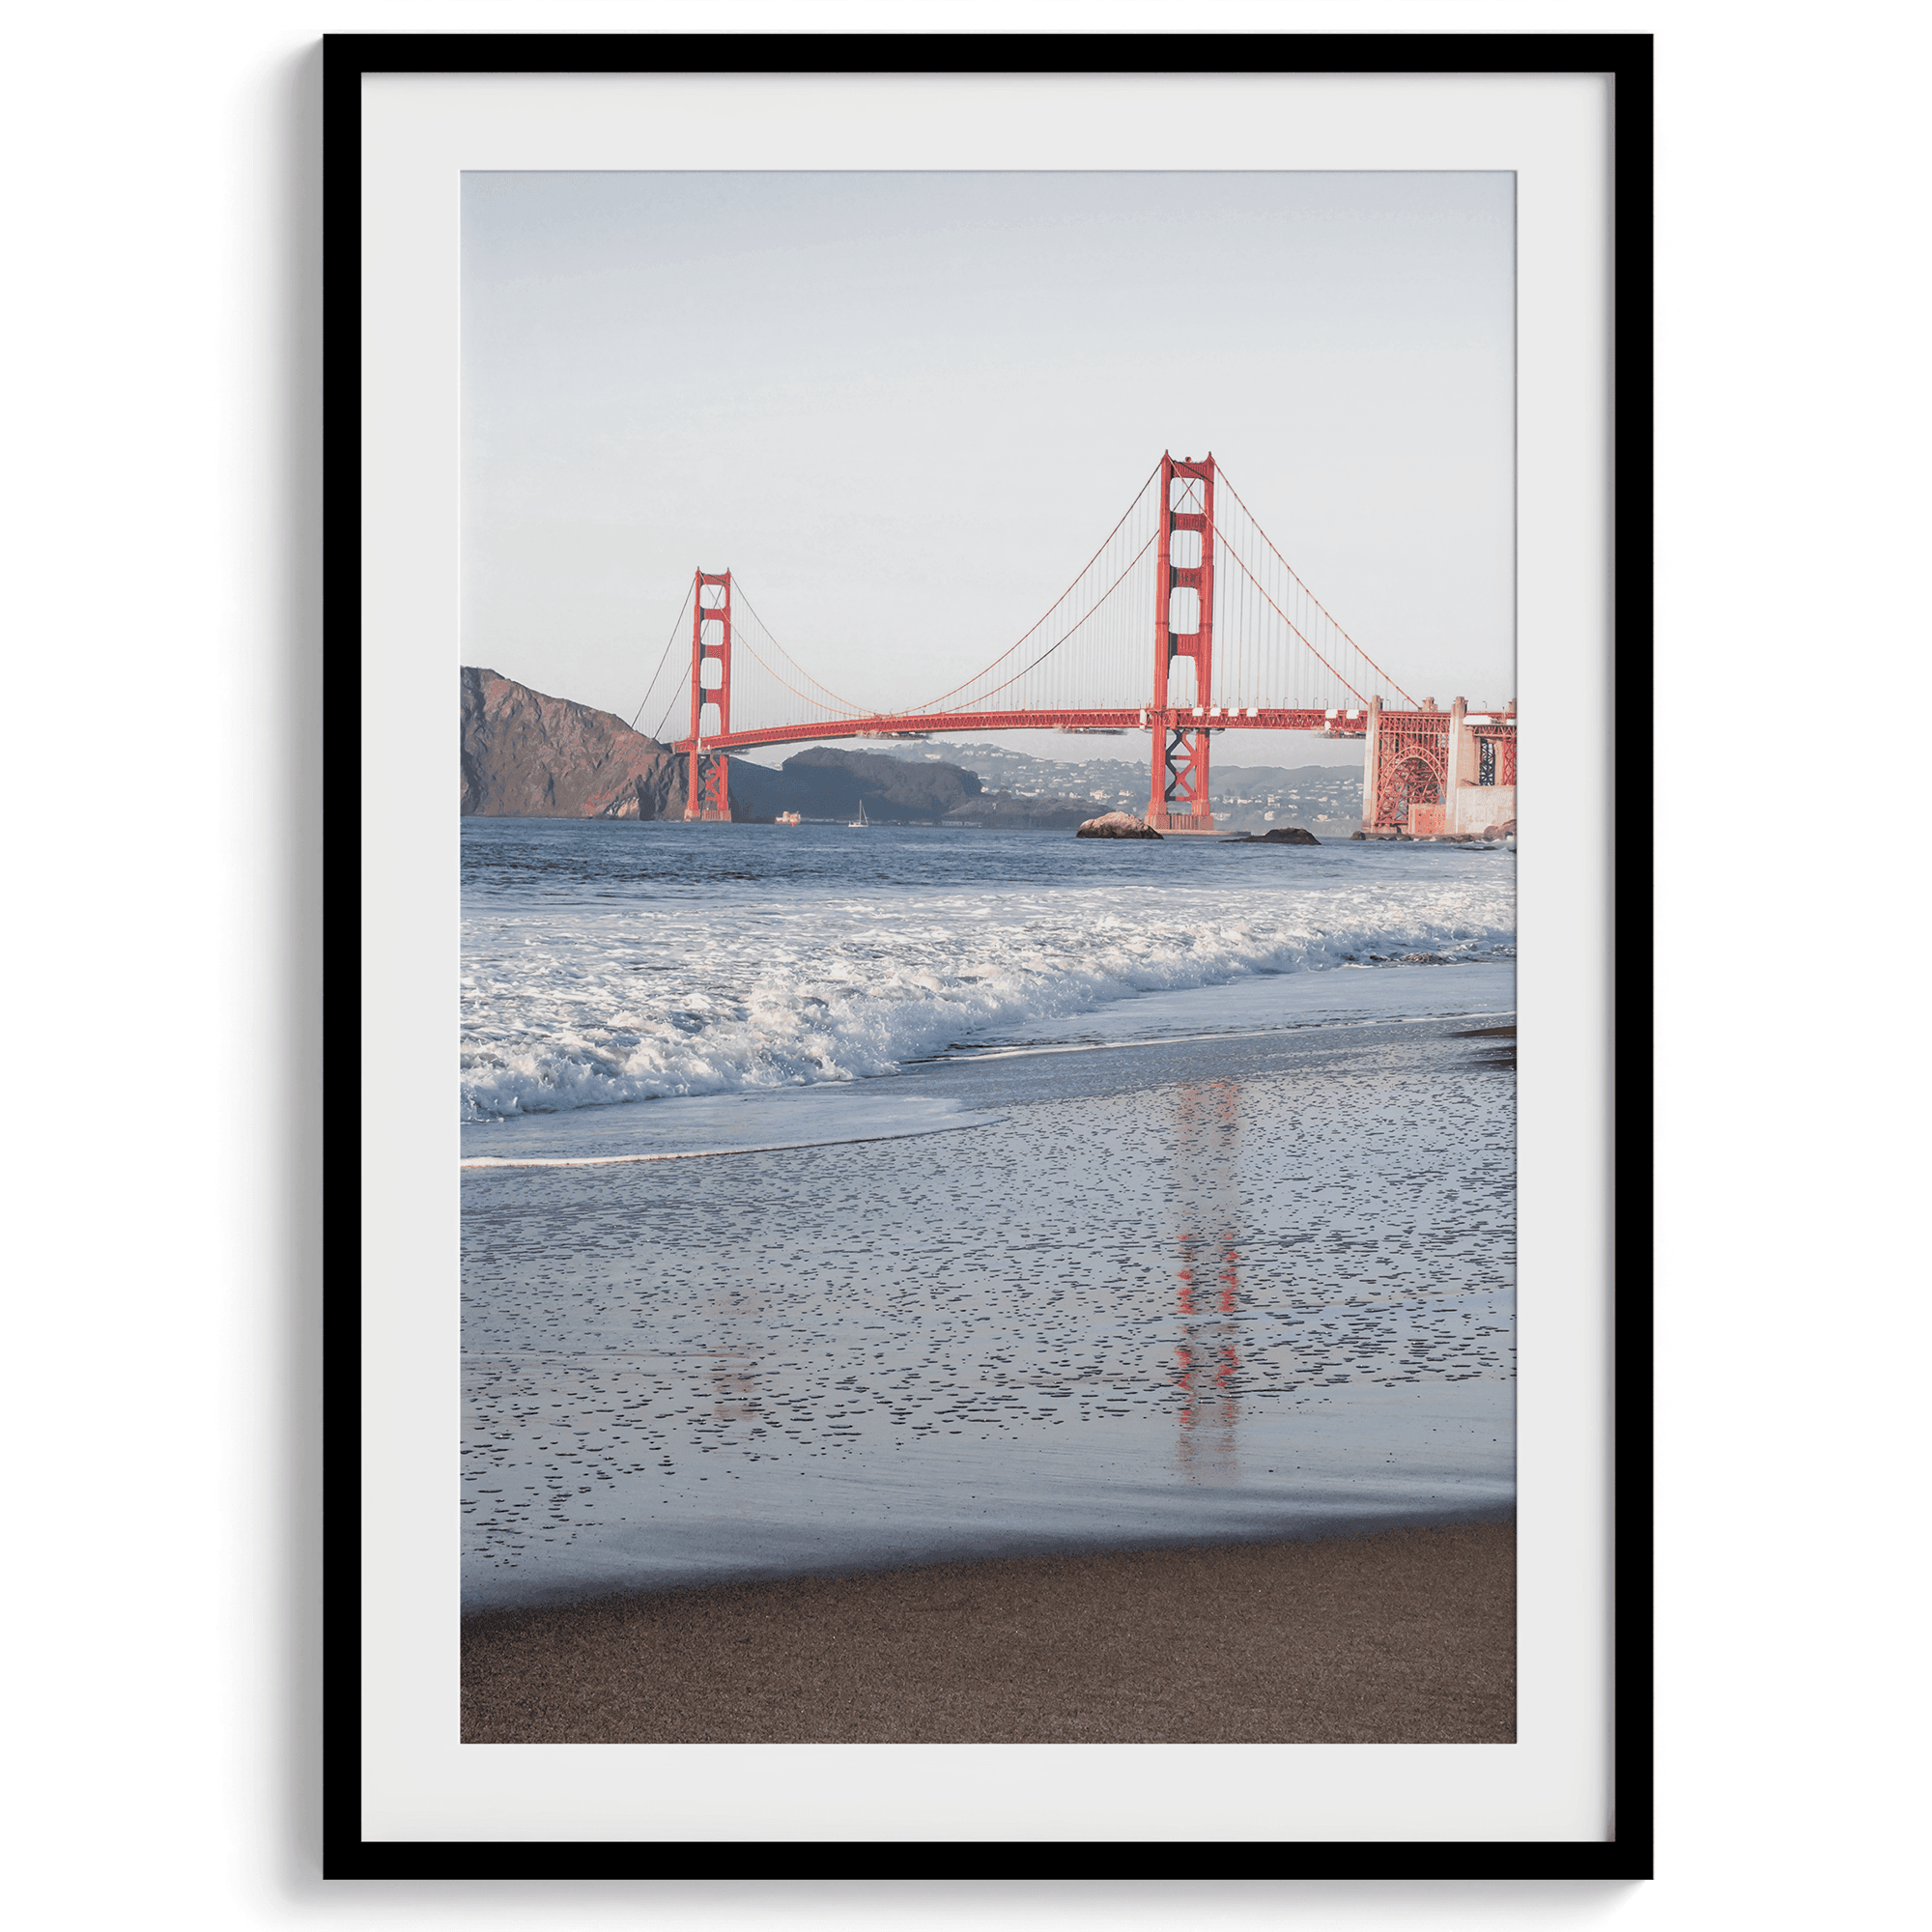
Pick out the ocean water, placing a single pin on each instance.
(836, 1198)
(614, 963)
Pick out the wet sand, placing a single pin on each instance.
(1407, 1636)
(1222, 1288)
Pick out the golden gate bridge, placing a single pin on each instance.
(1239, 642)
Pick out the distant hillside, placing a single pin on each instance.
(1008, 812)
(825, 782)
(529, 755)
(892, 791)
(1327, 799)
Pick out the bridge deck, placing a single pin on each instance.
(925, 723)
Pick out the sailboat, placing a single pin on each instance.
(861, 820)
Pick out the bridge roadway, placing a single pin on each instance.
(1142, 718)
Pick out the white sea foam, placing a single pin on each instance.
(585, 1009)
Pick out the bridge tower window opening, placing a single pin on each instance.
(1486, 762)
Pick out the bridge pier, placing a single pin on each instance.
(1433, 774)
(1179, 791)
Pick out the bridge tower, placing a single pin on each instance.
(1184, 627)
(708, 795)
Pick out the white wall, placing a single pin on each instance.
(163, 963)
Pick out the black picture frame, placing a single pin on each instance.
(1628, 58)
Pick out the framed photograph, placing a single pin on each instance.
(977, 1136)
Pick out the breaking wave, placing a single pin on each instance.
(563, 1011)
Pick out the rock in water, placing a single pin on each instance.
(1117, 825)
(1282, 834)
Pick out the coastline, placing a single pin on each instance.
(1400, 1637)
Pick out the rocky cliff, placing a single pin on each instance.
(527, 755)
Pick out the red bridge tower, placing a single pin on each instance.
(709, 795)
(1184, 627)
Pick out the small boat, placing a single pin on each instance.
(787, 818)
(861, 821)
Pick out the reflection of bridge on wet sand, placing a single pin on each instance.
(1205, 1196)
(1252, 1292)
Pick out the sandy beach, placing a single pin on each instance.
(1407, 1636)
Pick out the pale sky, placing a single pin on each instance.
(904, 408)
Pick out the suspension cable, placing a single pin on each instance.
(1049, 611)
(741, 641)
(1290, 621)
(1052, 647)
(837, 704)
(659, 672)
(1222, 475)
